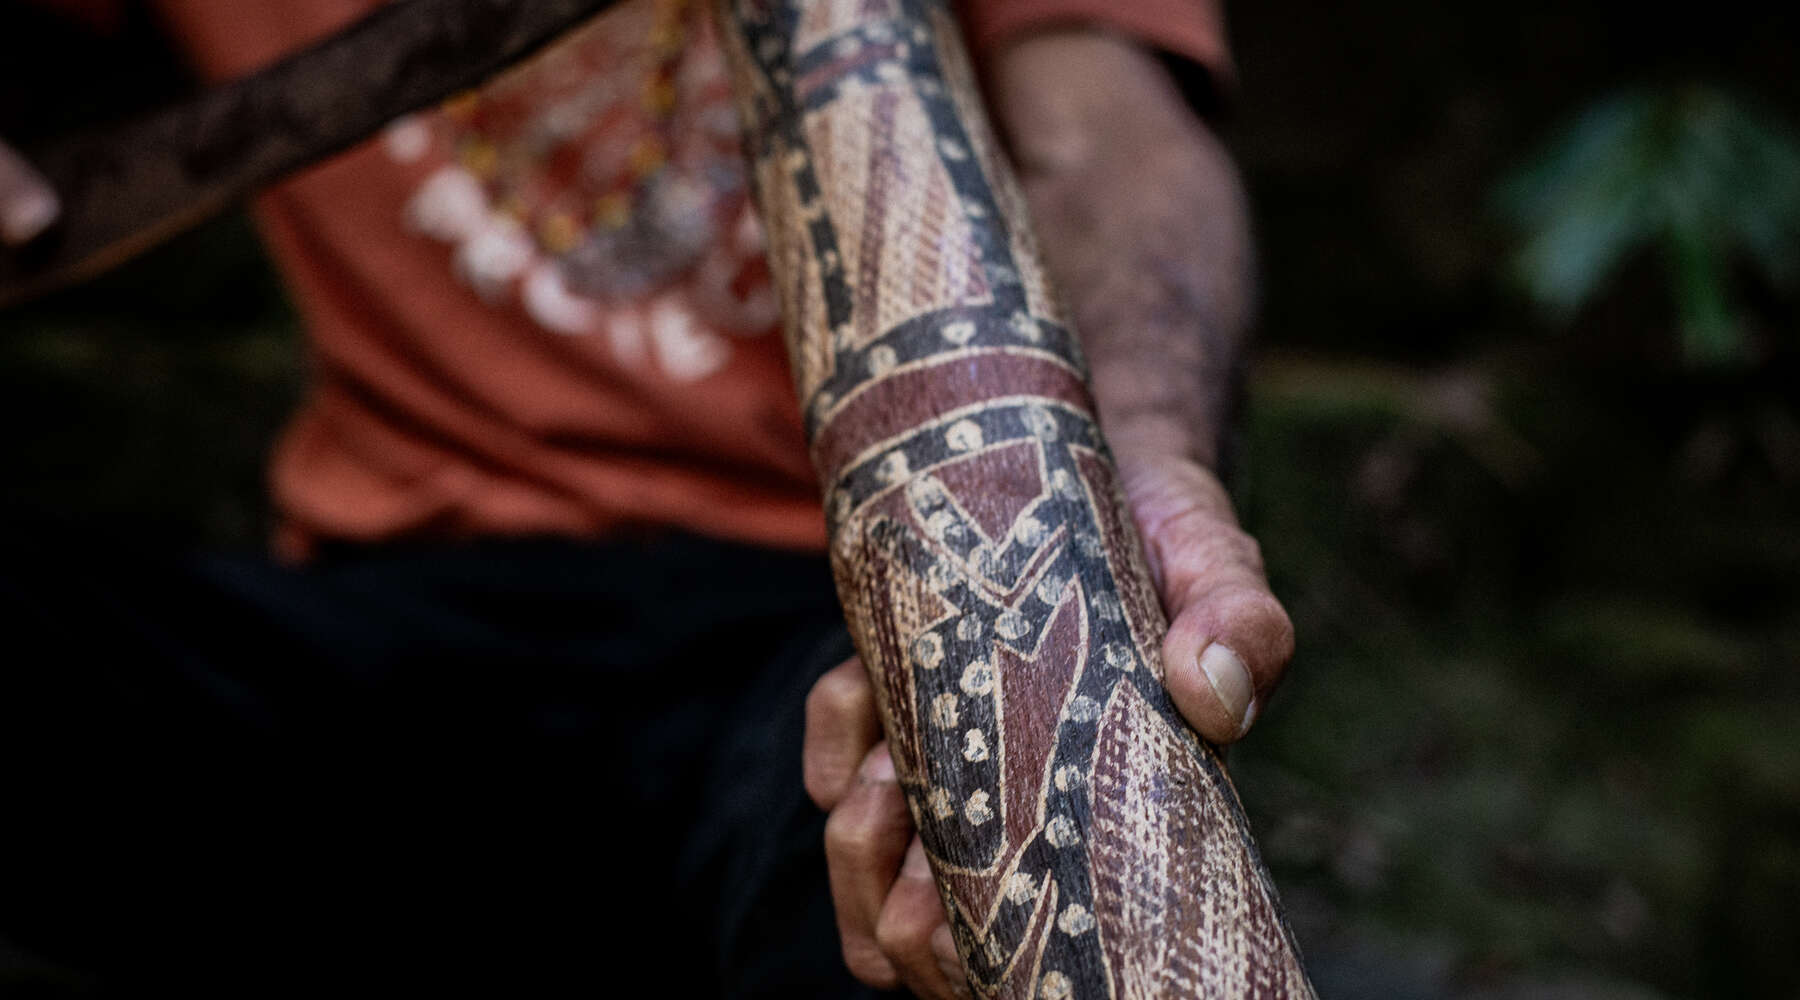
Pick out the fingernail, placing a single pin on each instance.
(1230, 681)
(879, 767)
(1250, 717)
(28, 215)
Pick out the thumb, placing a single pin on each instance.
(1229, 639)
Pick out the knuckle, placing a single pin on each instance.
(1246, 617)
(1160, 490)
(868, 828)
(1249, 550)
(1282, 634)
(903, 931)
(866, 963)
(1257, 625)
(1203, 548)
(1256, 607)
(849, 834)
(1271, 622)
(839, 693)
(824, 781)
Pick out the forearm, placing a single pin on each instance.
(1142, 221)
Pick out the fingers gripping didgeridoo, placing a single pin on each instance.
(1087, 844)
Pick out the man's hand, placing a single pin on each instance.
(1142, 220)
(890, 919)
(28, 206)
(1143, 223)
(1228, 642)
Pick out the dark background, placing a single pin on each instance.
(1540, 738)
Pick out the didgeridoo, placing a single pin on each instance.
(1085, 841)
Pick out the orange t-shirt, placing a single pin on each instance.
(543, 308)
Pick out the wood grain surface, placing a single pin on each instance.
(1087, 844)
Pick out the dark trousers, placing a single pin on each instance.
(547, 767)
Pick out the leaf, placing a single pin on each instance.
(1693, 172)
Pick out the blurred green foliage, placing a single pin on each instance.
(1695, 174)
(1539, 739)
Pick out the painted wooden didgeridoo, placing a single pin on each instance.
(1086, 843)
